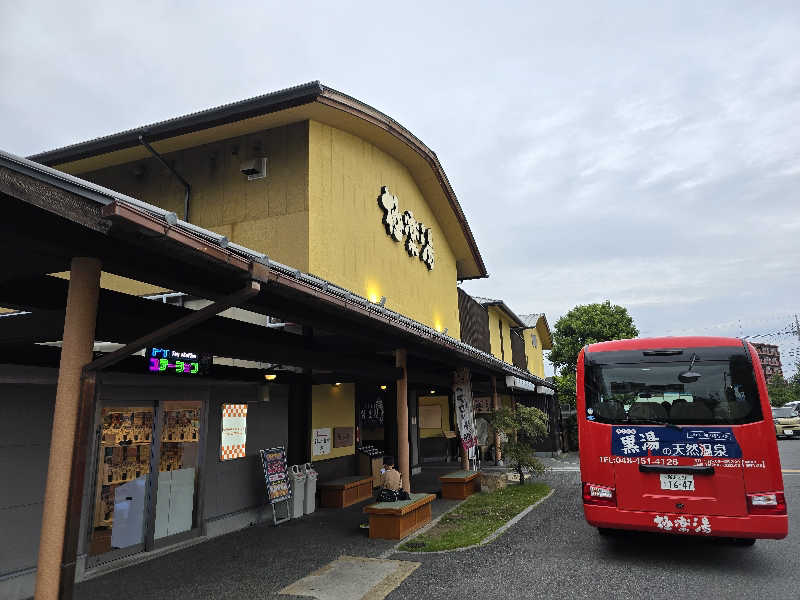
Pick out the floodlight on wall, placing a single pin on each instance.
(338, 383)
(255, 168)
(270, 376)
(433, 391)
(383, 387)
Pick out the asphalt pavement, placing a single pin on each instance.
(550, 553)
(553, 553)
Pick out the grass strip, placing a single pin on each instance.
(477, 517)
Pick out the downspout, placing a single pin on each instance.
(175, 173)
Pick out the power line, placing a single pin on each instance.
(789, 331)
(740, 324)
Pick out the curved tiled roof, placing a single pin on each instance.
(260, 105)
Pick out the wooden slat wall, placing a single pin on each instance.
(474, 320)
(518, 357)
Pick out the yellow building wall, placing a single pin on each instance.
(333, 406)
(269, 215)
(349, 243)
(445, 406)
(533, 350)
(497, 316)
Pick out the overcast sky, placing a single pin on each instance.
(646, 153)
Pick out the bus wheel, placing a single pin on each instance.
(744, 541)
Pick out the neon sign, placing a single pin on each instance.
(164, 360)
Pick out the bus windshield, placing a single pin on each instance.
(725, 393)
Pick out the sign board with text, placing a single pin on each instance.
(321, 441)
(276, 474)
(233, 431)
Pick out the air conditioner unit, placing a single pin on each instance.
(255, 168)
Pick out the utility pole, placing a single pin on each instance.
(797, 327)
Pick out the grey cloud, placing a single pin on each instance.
(641, 152)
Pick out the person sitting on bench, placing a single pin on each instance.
(391, 483)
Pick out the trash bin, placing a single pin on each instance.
(311, 488)
(298, 480)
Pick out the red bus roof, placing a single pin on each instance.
(664, 342)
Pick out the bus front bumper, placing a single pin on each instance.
(749, 526)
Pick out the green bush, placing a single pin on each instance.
(522, 427)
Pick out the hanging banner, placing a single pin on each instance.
(462, 393)
(276, 474)
(234, 431)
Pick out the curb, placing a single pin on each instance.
(490, 538)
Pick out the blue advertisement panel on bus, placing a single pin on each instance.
(692, 442)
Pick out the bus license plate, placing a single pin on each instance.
(677, 481)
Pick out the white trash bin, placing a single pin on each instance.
(311, 488)
(297, 478)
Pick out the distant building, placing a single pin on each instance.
(770, 358)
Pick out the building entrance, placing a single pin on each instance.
(147, 475)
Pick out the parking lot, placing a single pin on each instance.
(550, 553)
(553, 553)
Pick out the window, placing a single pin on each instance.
(725, 393)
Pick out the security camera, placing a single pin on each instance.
(255, 168)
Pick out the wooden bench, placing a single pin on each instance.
(460, 484)
(395, 520)
(345, 491)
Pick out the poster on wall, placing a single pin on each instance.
(462, 394)
(321, 441)
(372, 412)
(342, 437)
(483, 404)
(430, 416)
(234, 431)
(276, 474)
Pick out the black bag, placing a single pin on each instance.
(387, 496)
(403, 495)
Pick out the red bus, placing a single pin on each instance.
(676, 436)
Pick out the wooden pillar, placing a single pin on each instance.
(464, 458)
(498, 444)
(76, 352)
(402, 420)
(299, 413)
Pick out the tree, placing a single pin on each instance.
(521, 427)
(588, 324)
(565, 387)
(782, 391)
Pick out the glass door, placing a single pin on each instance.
(123, 465)
(176, 497)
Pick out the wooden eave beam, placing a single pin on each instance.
(188, 321)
